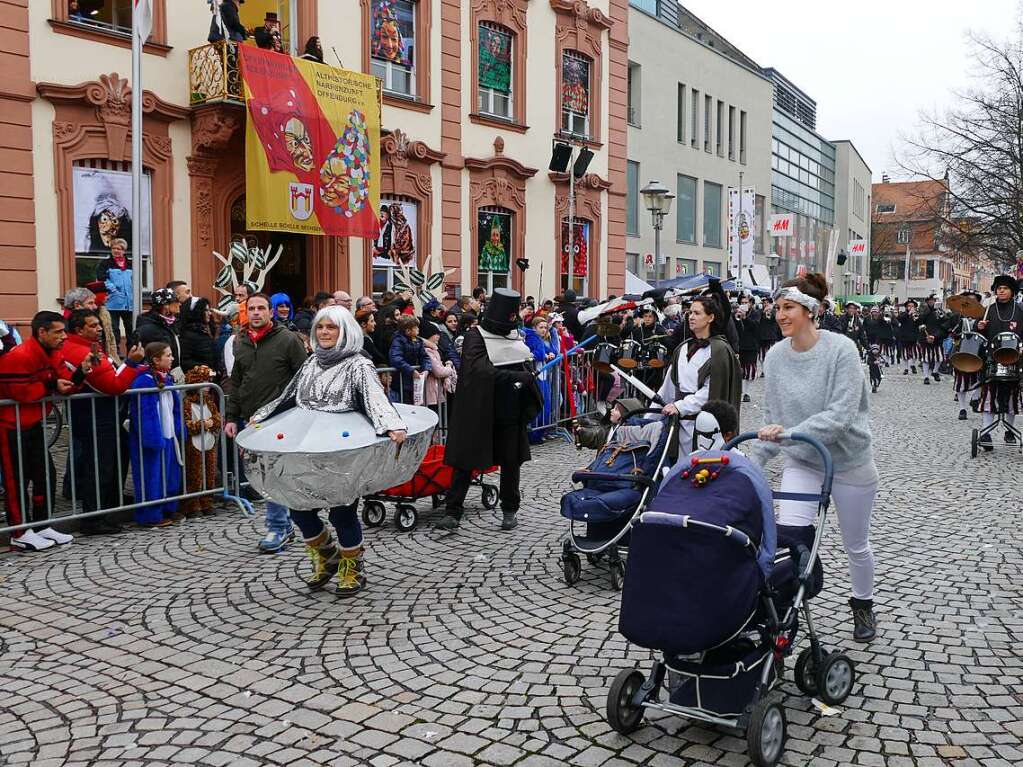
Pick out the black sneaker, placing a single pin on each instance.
(905, 372)
(864, 620)
(1010, 438)
(913, 368)
(450, 521)
(509, 522)
(985, 442)
(874, 388)
(927, 382)
(937, 377)
(962, 414)
(746, 398)
(975, 405)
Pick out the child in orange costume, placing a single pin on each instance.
(203, 422)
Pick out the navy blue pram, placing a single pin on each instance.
(710, 588)
(617, 486)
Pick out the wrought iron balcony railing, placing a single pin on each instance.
(214, 75)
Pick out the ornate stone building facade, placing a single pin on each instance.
(464, 153)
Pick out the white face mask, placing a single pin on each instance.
(707, 433)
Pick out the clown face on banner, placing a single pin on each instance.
(393, 33)
(579, 249)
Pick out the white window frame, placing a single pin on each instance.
(487, 98)
(385, 70)
(903, 235)
(570, 120)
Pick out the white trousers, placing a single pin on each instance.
(989, 418)
(854, 504)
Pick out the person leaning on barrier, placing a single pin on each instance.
(266, 358)
(28, 373)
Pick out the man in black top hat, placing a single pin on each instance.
(496, 398)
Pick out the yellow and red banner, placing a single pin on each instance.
(312, 147)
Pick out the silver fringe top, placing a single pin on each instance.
(351, 384)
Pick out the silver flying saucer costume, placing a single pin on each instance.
(331, 447)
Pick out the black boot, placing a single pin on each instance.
(962, 415)
(450, 521)
(985, 442)
(864, 621)
(509, 522)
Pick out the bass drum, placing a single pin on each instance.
(1005, 348)
(630, 354)
(969, 353)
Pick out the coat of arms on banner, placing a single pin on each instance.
(300, 200)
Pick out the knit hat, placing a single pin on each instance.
(162, 297)
(1004, 280)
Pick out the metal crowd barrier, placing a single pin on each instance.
(91, 440)
(71, 430)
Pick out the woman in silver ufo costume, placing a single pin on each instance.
(337, 378)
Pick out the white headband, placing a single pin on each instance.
(793, 293)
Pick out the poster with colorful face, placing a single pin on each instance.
(396, 243)
(494, 237)
(579, 249)
(495, 60)
(312, 147)
(393, 31)
(575, 84)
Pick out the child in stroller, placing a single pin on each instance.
(718, 590)
(874, 365)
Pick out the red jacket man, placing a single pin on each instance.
(31, 371)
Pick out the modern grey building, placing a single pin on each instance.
(700, 113)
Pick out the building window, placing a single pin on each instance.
(650, 6)
(107, 14)
(575, 93)
(711, 215)
(719, 129)
(903, 235)
(731, 133)
(713, 268)
(930, 270)
(632, 262)
(708, 105)
(694, 119)
(575, 258)
(102, 214)
(633, 95)
(680, 117)
(393, 44)
(494, 73)
(685, 267)
(685, 224)
(742, 137)
(494, 234)
(885, 207)
(632, 198)
(859, 198)
(395, 246)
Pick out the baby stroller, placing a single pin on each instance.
(711, 589)
(431, 480)
(616, 488)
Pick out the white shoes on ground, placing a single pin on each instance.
(30, 540)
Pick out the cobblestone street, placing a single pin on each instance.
(185, 646)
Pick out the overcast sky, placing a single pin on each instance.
(871, 65)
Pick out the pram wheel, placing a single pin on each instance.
(490, 497)
(765, 735)
(621, 713)
(974, 442)
(806, 672)
(572, 567)
(835, 679)
(617, 567)
(373, 513)
(406, 517)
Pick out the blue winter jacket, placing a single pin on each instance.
(118, 282)
(404, 355)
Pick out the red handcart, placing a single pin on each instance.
(431, 480)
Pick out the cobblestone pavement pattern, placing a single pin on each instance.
(185, 646)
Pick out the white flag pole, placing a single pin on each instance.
(136, 162)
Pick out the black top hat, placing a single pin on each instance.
(1006, 281)
(502, 313)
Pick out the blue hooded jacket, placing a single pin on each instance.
(281, 298)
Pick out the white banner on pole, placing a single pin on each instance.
(144, 14)
(742, 226)
(829, 266)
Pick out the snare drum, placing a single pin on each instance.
(656, 355)
(969, 353)
(996, 371)
(1005, 349)
(604, 356)
(630, 354)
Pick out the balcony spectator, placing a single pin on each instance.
(236, 31)
(313, 50)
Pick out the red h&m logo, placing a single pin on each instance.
(781, 225)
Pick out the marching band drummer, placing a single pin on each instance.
(1003, 316)
(649, 331)
(931, 321)
(704, 367)
(965, 385)
(908, 336)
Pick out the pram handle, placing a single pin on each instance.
(626, 479)
(816, 444)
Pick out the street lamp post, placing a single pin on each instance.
(847, 275)
(657, 199)
(772, 267)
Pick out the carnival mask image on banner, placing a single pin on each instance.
(494, 234)
(396, 243)
(393, 24)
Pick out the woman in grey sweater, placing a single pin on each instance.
(814, 385)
